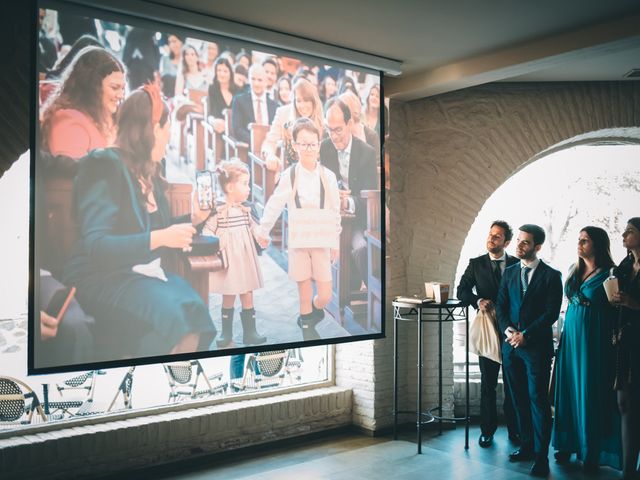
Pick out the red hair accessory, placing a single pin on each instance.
(156, 101)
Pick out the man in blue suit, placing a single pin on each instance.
(529, 301)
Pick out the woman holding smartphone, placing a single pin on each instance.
(124, 227)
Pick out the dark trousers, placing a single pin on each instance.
(528, 376)
(488, 409)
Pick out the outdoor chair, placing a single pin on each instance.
(125, 388)
(264, 370)
(82, 388)
(18, 402)
(189, 380)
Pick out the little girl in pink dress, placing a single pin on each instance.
(233, 224)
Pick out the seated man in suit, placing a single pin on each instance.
(354, 163)
(529, 301)
(253, 106)
(483, 275)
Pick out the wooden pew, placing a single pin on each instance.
(190, 115)
(233, 147)
(195, 132)
(341, 270)
(212, 142)
(213, 145)
(57, 236)
(263, 181)
(373, 234)
(347, 303)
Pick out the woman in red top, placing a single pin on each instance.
(80, 116)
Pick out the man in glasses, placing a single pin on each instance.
(354, 164)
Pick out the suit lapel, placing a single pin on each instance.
(352, 156)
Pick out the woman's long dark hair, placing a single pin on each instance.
(81, 87)
(215, 86)
(136, 138)
(602, 252)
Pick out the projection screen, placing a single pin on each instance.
(197, 195)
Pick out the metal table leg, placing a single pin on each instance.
(440, 414)
(395, 373)
(419, 413)
(466, 426)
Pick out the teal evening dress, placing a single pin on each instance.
(586, 421)
(136, 315)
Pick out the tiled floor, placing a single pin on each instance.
(355, 456)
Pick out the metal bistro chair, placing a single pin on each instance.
(189, 375)
(18, 402)
(125, 388)
(85, 384)
(264, 370)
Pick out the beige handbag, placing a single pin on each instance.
(484, 339)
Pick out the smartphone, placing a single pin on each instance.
(60, 302)
(204, 189)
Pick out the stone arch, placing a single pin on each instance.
(461, 146)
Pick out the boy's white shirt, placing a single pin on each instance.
(308, 192)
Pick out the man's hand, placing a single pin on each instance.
(485, 304)
(517, 340)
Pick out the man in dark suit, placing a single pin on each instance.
(354, 164)
(253, 106)
(529, 301)
(484, 274)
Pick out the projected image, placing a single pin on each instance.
(199, 194)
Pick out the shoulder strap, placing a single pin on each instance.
(322, 185)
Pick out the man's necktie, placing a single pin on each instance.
(525, 279)
(259, 111)
(497, 271)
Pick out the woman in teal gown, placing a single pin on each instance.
(124, 226)
(586, 421)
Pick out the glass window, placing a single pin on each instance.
(68, 396)
(579, 193)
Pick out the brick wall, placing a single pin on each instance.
(448, 154)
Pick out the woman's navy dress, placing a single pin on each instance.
(136, 315)
(586, 417)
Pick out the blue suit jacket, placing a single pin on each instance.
(536, 312)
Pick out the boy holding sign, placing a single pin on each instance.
(310, 191)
